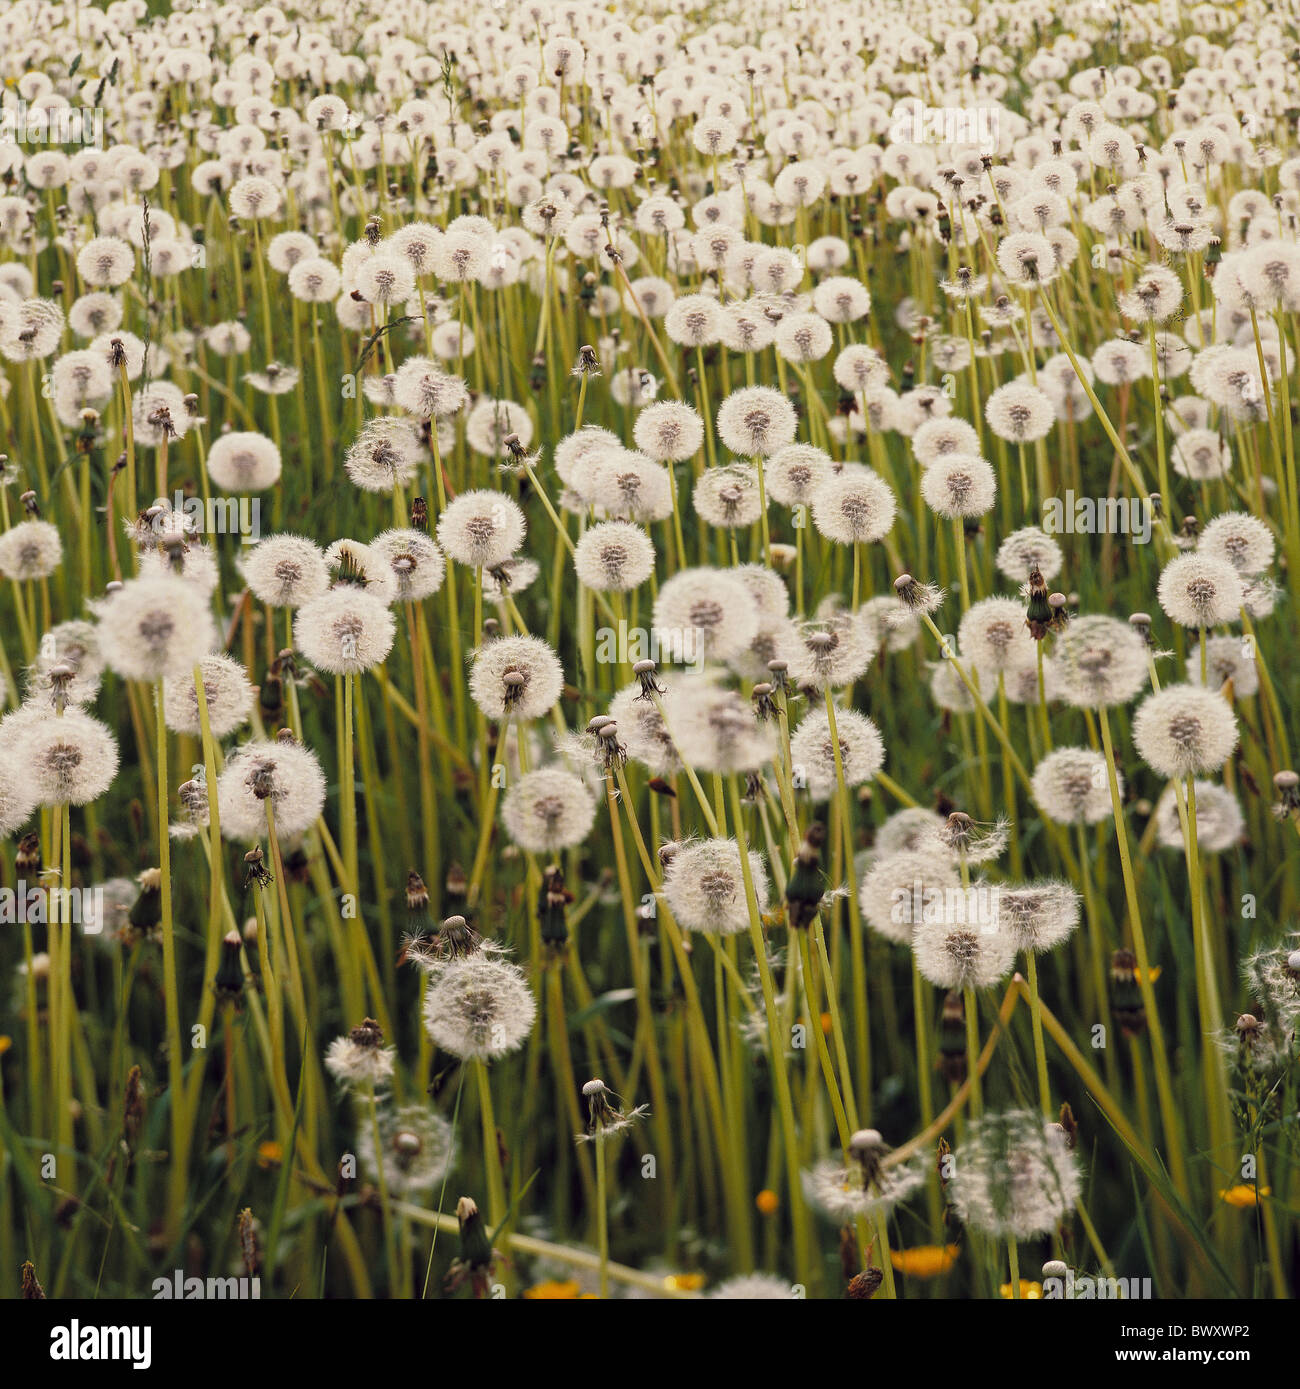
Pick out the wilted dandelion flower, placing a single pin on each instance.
(605, 1113)
(345, 631)
(418, 1147)
(858, 1184)
(1014, 1177)
(1019, 412)
(30, 550)
(155, 626)
(516, 678)
(728, 497)
(793, 474)
(860, 370)
(706, 614)
(105, 261)
(30, 330)
(812, 751)
(829, 652)
(704, 886)
(992, 635)
(1026, 260)
(481, 528)
(964, 949)
(717, 730)
(1102, 662)
(1038, 916)
(1220, 824)
(548, 810)
(904, 886)
(415, 562)
(754, 1287)
(1226, 658)
(1201, 454)
(854, 506)
(939, 438)
(17, 797)
(756, 421)
(244, 461)
(479, 1008)
(226, 689)
(642, 729)
(959, 485)
(424, 390)
(1239, 539)
(282, 772)
(614, 556)
(68, 759)
(361, 1061)
(1197, 590)
(1184, 730)
(668, 431)
(383, 456)
(285, 571)
(1071, 786)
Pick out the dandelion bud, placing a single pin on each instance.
(60, 677)
(1287, 785)
(255, 868)
(475, 1244)
(1126, 994)
(28, 858)
(645, 673)
(1249, 1030)
(228, 983)
(146, 911)
(552, 909)
(1038, 615)
(952, 1039)
(804, 891)
(863, 1286)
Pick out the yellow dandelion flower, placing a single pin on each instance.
(553, 1291)
(685, 1282)
(925, 1261)
(768, 1202)
(1242, 1195)
(1029, 1292)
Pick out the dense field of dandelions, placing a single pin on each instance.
(647, 649)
